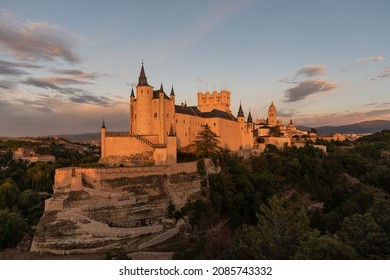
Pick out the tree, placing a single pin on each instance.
(9, 194)
(277, 235)
(206, 143)
(12, 228)
(41, 176)
(324, 247)
(365, 236)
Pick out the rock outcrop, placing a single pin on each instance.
(86, 214)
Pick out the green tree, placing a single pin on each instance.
(365, 236)
(380, 211)
(207, 143)
(41, 176)
(9, 194)
(31, 206)
(277, 235)
(324, 247)
(12, 228)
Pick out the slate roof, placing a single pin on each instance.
(194, 111)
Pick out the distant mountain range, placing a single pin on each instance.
(355, 128)
(358, 128)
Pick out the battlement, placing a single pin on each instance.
(209, 101)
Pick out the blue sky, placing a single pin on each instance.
(65, 65)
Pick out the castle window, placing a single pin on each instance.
(177, 120)
(167, 115)
(215, 124)
(155, 115)
(184, 121)
(135, 116)
(142, 90)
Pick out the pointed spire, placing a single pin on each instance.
(249, 120)
(132, 93)
(291, 122)
(171, 133)
(104, 125)
(172, 92)
(240, 112)
(161, 88)
(142, 80)
(185, 103)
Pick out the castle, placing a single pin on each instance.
(159, 127)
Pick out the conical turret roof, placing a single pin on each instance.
(142, 80)
(240, 112)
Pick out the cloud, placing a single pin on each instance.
(385, 73)
(75, 95)
(311, 71)
(7, 85)
(370, 59)
(307, 71)
(12, 68)
(308, 87)
(37, 40)
(77, 73)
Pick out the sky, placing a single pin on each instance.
(67, 65)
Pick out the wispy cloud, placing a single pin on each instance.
(77, 73)
(311, 71)
(12, 68)
(369, 59)
(306, 71)
(36, 40)
(75, 95)
(308, 87)
(7, 85)
(385, 73)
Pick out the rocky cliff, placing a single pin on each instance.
(122, 210)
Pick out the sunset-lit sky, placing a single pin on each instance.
(66, 65)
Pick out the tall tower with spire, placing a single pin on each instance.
(272, 118)
(142, 115)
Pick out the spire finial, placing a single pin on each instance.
(104, 124)
(172, 92)
(132, 92)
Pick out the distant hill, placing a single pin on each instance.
(358, 128)
(84, 137)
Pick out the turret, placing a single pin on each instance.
(249, 120)
(240, 115)
(103, 140)
(143, 108)
(172, 96)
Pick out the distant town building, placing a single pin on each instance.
(30, 156)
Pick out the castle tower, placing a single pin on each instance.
(132, 111)
(272, 120)
(143, 109)
(240, 115)
(216, 100)
(103, 140)
(171, 147)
